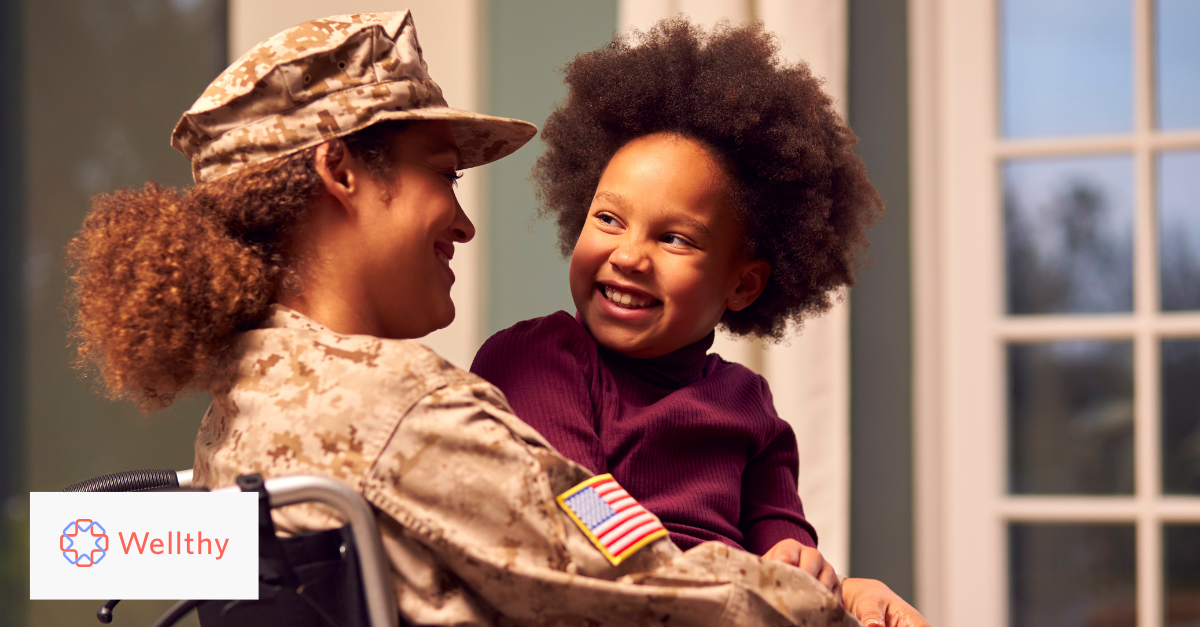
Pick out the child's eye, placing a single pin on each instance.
(607, 219)
(675, 240)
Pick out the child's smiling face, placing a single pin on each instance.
(659, 258)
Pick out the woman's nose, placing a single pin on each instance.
(462, 229)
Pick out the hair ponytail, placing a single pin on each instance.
(163, 280)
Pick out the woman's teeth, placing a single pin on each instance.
(625, 299)
(441, 257)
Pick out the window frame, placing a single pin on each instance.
(961, 328)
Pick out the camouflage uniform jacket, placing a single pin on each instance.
(465, 492)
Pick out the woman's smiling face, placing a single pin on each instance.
(658, 261)
(410, 225)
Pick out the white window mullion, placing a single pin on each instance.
(1149, 571)
(929, 465)
(1146, 476)
(1146, 353)
(1178, 509)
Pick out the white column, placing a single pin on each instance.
(810, 374)
(642, 14)
(709, 12)
(450, 39)
(926, 257)
(810, 377)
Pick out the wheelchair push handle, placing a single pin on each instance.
(135, 481)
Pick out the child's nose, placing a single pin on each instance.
(630, 258)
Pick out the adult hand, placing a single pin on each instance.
(808, 559)
(875, 605)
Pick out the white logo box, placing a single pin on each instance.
(148, 545)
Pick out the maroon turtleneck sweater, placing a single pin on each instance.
(693, 438)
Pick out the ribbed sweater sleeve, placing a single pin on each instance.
(545, 368)
(771, 507)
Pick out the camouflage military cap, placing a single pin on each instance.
(325, 79)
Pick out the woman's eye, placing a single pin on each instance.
(453, 177)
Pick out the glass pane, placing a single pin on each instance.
(1072, 575)
(1181, 416)
(1069, 234)
(1181, 579)
(1067, 67)
(1179, 228)
(1178, 64)
(1070, 410)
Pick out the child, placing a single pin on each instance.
(697, 183)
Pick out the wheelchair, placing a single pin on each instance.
(333, 578)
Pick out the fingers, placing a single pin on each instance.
(875, 605)
(874, 614)
(808, 559)
(811, 561)
(786, 551)
(830, 580)
(904, 615)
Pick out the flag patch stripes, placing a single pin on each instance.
(611, 518)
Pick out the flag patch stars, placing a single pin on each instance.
(611, 518)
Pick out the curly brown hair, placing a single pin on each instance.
(797, 186)
(163, 280)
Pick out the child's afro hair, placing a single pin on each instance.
(798, 187)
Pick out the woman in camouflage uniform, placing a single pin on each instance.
(289, 282)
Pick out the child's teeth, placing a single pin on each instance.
(625, 299)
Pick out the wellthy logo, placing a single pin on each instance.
(143, 545)
(204, 546)
(83, 550)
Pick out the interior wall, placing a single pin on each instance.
(881, 318)
(527, 42)
(98, 108)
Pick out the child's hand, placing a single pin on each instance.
(875, 605)
(807, 559)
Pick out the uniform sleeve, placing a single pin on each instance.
(771, 507)
(475, 536)
(545, 367)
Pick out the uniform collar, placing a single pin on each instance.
(282, 317)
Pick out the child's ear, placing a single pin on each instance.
(336, 168)
(753, 281)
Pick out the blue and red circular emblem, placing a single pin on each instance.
(83, 530)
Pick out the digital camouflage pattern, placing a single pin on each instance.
(465, 492)
(324, 79)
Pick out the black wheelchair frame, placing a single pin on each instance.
(324, 578)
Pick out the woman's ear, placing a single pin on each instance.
(753, 281)
(335, 167)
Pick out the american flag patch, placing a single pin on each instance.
(610, 518)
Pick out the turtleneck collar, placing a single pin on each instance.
(673, 370)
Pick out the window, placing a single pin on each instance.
(1057, 229)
